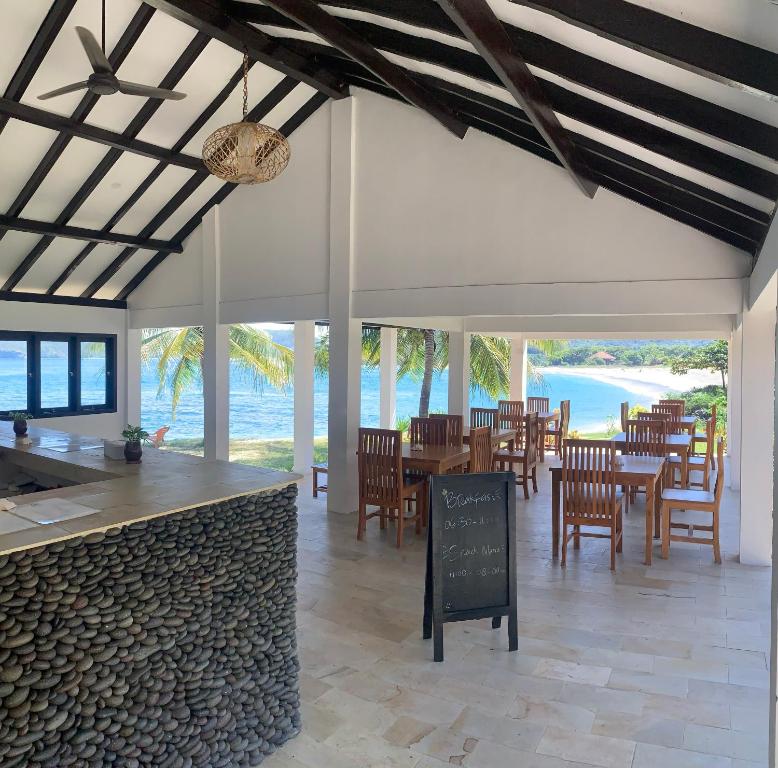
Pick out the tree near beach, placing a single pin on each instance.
(713, 357)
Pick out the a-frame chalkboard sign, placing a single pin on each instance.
(471, 553)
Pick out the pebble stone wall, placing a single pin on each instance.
(169, 643)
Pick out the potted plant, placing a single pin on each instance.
(133, 448)
(19, 419)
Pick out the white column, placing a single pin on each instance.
(388, 377)
(216, 362)
(345, 331)
(518, 372)
(734, 403)
(133, 378)
(459, 373)
(304, 341)
(756, 452)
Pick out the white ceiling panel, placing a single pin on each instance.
(50, 265)
(158, 48)
(66, 61)
(280, 114)
(204, 80)
(155, 198)
(262, 80)
(89, 269)
(21, 148)
(134, 264)
(15, 38)
(73, 167)
(112, 192)
(752, 21)
(13, 248)
(198, 199)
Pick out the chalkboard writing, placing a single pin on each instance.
(471, 570)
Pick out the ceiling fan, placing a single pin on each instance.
(103, 81)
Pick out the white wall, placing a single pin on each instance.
(21, 316)
(434, 211)
(766, 265)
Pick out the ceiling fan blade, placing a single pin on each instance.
(135, 89)
(65, 89)
(94, 52)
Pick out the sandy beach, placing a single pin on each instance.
(646, 382)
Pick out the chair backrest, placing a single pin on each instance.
(455, 427)
(719, 489)
(510, 413)
(645, 437)
(538, 404)
(672, 427)
(159, 436)
(713, 416)
(564, 418)
(530, 437)
(484, 417)
(677, 404)
(380, 463)
(428, 431)
(481, 449)
(624, 416)
(589, 480)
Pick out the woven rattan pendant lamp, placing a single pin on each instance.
(245, 152)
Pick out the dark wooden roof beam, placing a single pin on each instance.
(685, 45)
(211, 18)
(310, 15)
(81, 233)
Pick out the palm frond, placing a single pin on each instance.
(490, 359)
(259, 358)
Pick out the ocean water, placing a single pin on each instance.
(269, 413)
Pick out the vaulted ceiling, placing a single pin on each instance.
(670, 103)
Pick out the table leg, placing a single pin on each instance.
(542, 440)
(650, 493)
(555, 516)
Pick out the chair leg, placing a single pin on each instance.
(666, 520)
(315, 484)
(564, 545)
(382, 518)
(576, 537)
(535, 479)
(525, 475)
(613, 549)
(419, 514)
(362, 521)
(620, 531)
(716, 546)
(400, 524)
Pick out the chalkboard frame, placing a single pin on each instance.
(435, 616)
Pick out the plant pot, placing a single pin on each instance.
(133, 451)
(20, 428)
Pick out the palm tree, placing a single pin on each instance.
(178, 356)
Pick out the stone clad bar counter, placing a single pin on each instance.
(147, 613)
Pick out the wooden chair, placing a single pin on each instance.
(693, 464)
(538, 404)
(679, 405)
(480, 450)
(624, 416)
(158, 437)
(382, 484)
(644, 437)
(589, 494)
(672, 427)
(318, 485)
(708, 436)
(526, 456)
(508, 412)
(556, 434)
(455, 427)
(671, 414)
(484, 417)
(428, 431)
(697, 501)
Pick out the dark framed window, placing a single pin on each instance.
(57, 374)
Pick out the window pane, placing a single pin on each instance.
(93, 379)
(13, 376)
(54, 374)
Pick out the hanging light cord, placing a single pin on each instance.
(245, 85)
(103, 27)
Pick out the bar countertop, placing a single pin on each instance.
(111, 493)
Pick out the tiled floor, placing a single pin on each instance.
(661, 667)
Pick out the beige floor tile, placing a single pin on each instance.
(568, 716)
(651, 756)
(648, 728)
(719, 741)
(649, 683)
(596, 750)
(573, 673)
(405, 731)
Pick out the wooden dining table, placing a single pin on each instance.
(632, 470)
(499, 436)
(435, 459)
(688, 424)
